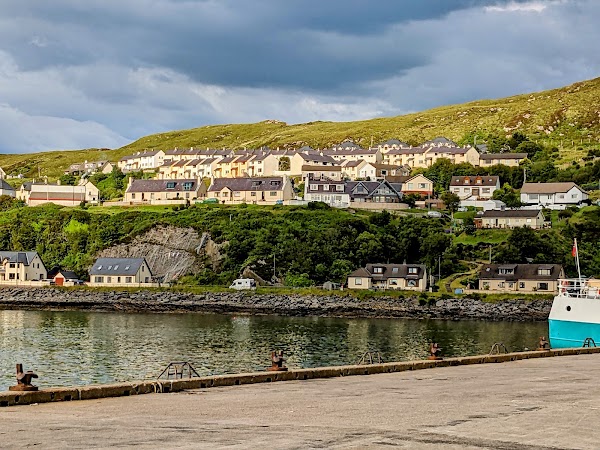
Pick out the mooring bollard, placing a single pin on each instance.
(277, 361)
(544, 345)
(435, 351)
(24, 380)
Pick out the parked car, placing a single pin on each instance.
(462, 209)
(436, 214)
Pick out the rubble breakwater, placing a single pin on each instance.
(169, 301)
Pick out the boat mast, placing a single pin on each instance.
(576, 255)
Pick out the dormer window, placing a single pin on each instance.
(275, 183)
(378, 270)
(478, 180)
(256, 183)
(170, 185)
(506, 271)
(413, 270)
(544, 271)
(394, 270)
(467, 181)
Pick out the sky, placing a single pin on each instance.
(102, 73)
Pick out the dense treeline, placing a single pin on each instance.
(299, 245)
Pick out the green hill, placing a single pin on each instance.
(568, 118)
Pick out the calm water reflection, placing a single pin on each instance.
(69, 348)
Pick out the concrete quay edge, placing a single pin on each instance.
(13, 398)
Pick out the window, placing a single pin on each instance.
(109, 279)
(252, 194)
(505, 271)
(100, 267)
(378, 270)
(127, 279)
(273, 193)
(313, 187)
(422, 186)
(486, 284)
(521, 285)
(188, 185)
(413, 270)
(237, 194)
(118, 279)
(171, 185)
(275, 183)
(99, 279)
(109, 268)
(393, 282)
(542, 286)
(340, 187)
(116, 267)
(573, 196)
(358, 281)
(544, 271)
(394, 270)
(127, 267)
(12, 265)
(412, 283)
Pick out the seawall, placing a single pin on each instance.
(165, 301)
(12, 398)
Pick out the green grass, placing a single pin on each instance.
(491, 236)
(567, 118)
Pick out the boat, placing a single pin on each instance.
(574, 319)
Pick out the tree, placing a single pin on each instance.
(531, 148)
(284, 164)
(67, 179)
(511, 197)
(451, 200)
(516, 140)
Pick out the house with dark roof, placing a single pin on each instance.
(553, 195)
(478, 187)
(380, 192)
(163, 192)
(21, 268)
(7, 189)
(321, 173)
(511, 218)
(409, 277)
(309, 159)
(520, 277)
(258, 190)
(62, 277)
(121, 272)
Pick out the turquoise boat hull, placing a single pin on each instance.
(566, 334)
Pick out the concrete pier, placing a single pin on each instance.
(539, 403)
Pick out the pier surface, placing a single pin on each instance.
(544, 403)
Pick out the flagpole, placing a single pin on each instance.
(577, 260)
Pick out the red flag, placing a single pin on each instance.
(574, 251)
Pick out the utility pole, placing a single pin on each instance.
(273, 266)
(490, 254)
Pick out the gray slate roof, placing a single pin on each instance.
(389, 271)
(117, 266)
(5, 186)
(18, 257)
(516, 213)
(521, 272)
(486, 180)
(491, 156)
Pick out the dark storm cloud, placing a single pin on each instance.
(308, 44)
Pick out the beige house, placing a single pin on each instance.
(351, 169)
(64, 195)
(321, 173)
(505, 159)
(541, 278)
(410, 277)
(121, 272)
(419, 184)
(259, 190)
(309, 159)
(160, 192)
(553, 195)
(511, 218)
(21, 267)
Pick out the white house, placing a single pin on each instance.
(552, 195)
(474, 188)
(327, 191)
(121, 272)
(7, 189)
(142, 161)
(410, 277)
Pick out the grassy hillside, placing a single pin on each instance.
(568, 118)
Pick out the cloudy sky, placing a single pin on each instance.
(101, 73)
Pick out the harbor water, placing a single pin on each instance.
(77, 348)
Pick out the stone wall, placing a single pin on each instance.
(161, 301)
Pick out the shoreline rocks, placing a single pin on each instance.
(166, 301)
